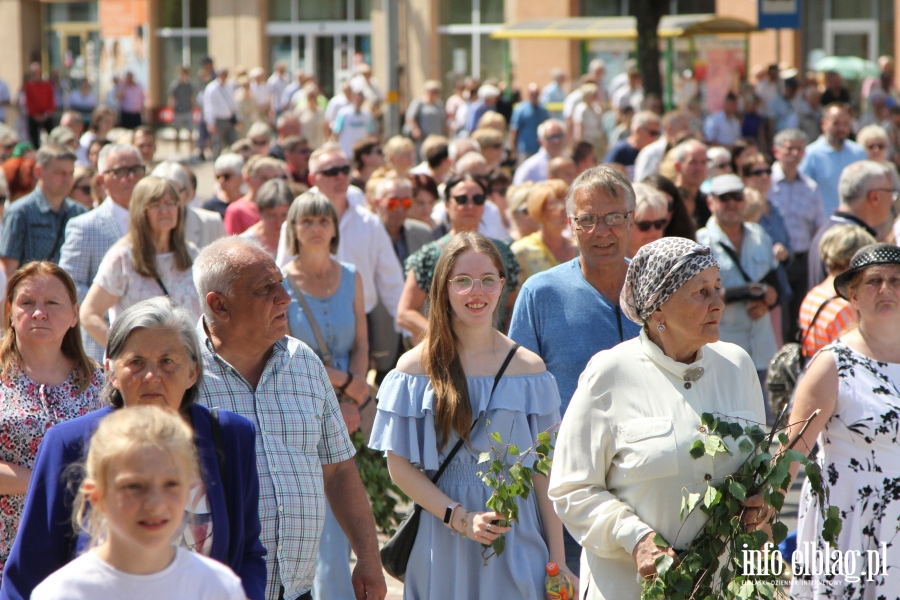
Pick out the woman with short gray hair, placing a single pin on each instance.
(153, 358)
(273, 201)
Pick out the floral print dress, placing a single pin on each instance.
(28, 410)
(860, 458)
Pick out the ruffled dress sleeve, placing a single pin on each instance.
(521, 407)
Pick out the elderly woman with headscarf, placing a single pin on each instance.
(622, 458)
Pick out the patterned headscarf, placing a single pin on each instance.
(657, 271)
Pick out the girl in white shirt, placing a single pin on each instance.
(139, 471)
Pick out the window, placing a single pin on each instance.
(466, 45)
(183, 39)
(72, 39)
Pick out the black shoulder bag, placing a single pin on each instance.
(395, 553)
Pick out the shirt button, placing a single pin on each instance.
(707, 477)
(280, 547)
(281, 509)
(702, 429)
(687, 385)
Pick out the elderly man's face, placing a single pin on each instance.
(123, 171)
(392, 207)
(790, 153)
(601, 245)
(728, 209)
(257, 308)
(692, 314)
(554, 140)
(693, 168)
(330, 176)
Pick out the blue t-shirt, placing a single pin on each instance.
(566, 321)
(525, 120)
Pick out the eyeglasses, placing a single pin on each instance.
(646, 225)
(876, 146)
(304, 150)
(556, 137)
(760, 172)
(225, 176)
(731, 197)
(162, 205)
(463, 284)
(588, 222)
(653, 132)
(894, 194)
(335, 171)
(501, 191)
(84, 189)
(376, 150)
(259, 142)
(477, 199)
(123, 172)
(395, 203)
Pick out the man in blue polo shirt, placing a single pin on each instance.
(523, 126)
(827, 156)
(571, 312)
(34, 226)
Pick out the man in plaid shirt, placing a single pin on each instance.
(252, 367)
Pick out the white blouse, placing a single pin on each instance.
(117, 276)
(622, 459)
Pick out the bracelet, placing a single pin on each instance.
(465, 523)
(343, 389)
(448, 514)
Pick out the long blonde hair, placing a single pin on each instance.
(143, 254)
(440, 354)
(124, 430)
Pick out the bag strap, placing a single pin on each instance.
(736, 260)
(323, 352)
(162, 286)
(459, 443)
(813, 322)
(220, 455)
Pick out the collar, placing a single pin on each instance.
(206, 345)
(117, 209)
(691, 372)
(839, 214)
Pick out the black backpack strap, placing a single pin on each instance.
(459, 442)
(220, 456)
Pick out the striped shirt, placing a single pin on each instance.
(836, 318)
(299, 428)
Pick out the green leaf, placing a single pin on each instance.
(707, 419)
(513, 450)
(711, 497)
(660, 541)
(784, 439)
(499, 545)
(712, 445)
(745, 446)
(697, 449)
(779, 532)
(738, 490)
(692, 500)
(663, 562)
(543, 438)
(776, 499)
(793, 456)
(484, 457)
(735, 430)
(496, 437)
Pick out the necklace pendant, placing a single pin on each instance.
(693, 374)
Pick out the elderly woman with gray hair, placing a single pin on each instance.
(622, 458)
(153, 358)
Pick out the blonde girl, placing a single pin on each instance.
(140, 467)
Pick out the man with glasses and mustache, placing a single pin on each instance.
(747, 270)
(644, 130)
(90, 235)
(570, 312)
(552, 137)
(243, 213)
(364, 240)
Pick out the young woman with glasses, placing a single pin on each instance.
(465, 196)
(445, 394)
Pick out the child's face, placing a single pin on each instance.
(144, 499)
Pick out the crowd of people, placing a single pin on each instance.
(509, 262)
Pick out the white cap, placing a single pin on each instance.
(723, 184)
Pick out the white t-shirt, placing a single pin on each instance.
(189, 576)
(117, 276)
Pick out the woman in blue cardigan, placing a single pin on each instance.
(153, 358)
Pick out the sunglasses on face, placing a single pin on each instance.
(477, 199)
(876, 146)
(259, 142)
(760, 172)
(225, 176)
(84, 189)
(646, 225)
(653, 132)
(557, 137)
(395, 203)
(463, 284)
(731, 197)
(335, 171)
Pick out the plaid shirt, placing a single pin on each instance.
(32, 230)
(299, 429)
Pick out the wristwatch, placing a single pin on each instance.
(449, 513)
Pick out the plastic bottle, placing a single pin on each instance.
(557, 587)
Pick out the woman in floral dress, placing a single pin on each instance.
(855, 382)
(45, 378)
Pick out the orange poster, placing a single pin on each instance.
(120, 18)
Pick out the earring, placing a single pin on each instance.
(661, 327)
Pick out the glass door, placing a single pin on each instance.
(852, 37)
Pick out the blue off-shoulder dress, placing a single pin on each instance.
(449, 566)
